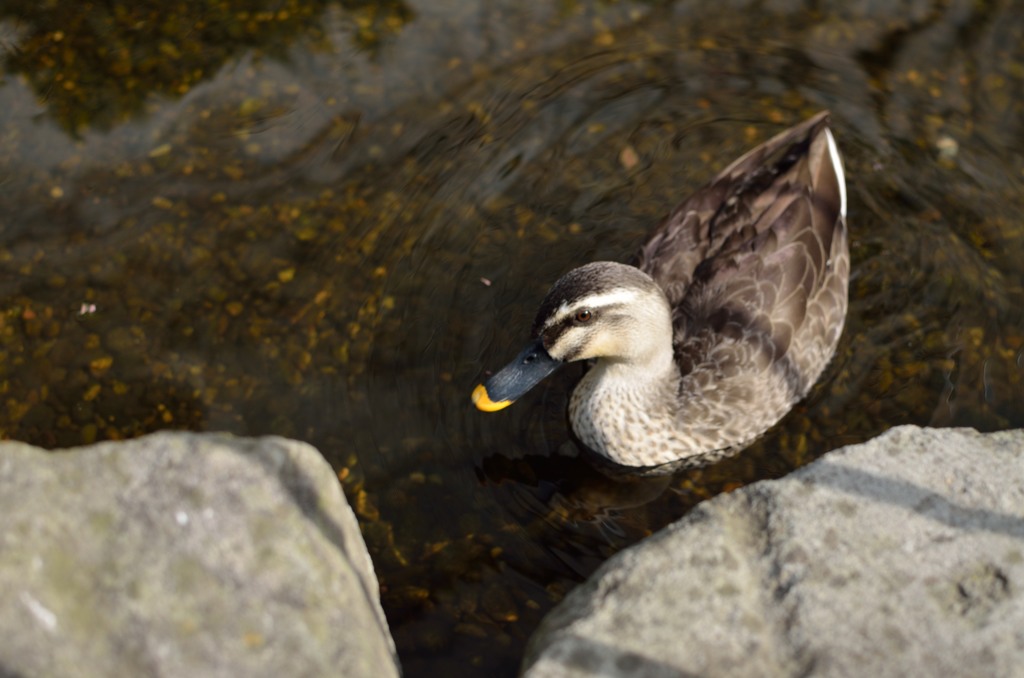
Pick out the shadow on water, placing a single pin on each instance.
(326, 222)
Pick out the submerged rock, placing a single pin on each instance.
(901, 556)
(181, 554)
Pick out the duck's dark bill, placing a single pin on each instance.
(515, 379)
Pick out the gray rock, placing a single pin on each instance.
(903, 556)
(184, 555)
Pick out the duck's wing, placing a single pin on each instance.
(724, 211)
(755, 264)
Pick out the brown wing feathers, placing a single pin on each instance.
(752, 267)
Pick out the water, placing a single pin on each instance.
(325, 221)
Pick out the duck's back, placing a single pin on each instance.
(756, 268)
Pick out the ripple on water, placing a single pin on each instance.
(328, 225)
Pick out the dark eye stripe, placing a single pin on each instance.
(593, 310)
(571, 320)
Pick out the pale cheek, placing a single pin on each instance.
(579, 344)
(566, 344)
(602, 346)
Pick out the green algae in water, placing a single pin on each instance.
(285, 228)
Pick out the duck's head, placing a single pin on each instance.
(603, 310)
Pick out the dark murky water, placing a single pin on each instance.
(325, 220)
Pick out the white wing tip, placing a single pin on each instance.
(837, 164)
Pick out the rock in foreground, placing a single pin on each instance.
(184, 555)
(902, 556)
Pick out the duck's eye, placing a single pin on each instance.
(584, 316)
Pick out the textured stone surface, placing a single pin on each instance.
(902, 556)
(184, 555)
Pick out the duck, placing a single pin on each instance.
(728, 316)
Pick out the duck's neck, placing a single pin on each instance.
(626, 410)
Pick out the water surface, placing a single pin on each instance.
(326, 220)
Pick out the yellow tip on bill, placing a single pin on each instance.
(484, 402)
